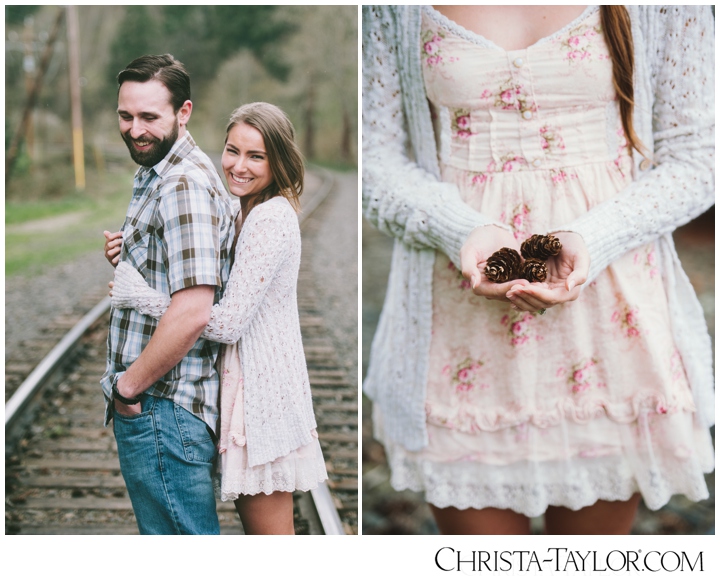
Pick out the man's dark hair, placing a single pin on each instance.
(164, 68)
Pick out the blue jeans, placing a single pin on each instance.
(166, 458)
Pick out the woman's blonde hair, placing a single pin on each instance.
(284, 158)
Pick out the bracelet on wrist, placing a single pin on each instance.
(124, 400)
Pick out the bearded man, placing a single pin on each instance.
(160, 385)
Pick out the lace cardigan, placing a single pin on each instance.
(258, 310)
(404, 198)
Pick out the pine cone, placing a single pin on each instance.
(503, 265)
(534, 270)
(540, 247)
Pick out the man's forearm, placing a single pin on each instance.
(177, 331)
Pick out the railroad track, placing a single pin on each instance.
(61, 466)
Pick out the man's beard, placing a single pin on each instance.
(157, 151)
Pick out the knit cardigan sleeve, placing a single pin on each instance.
(679, 45)
(401, 198)
(265, 242)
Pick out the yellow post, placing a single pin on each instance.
(79, 158)
(74, 62)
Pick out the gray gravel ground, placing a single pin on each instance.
(32, 303)
(335, 264)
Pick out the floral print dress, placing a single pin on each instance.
(590, 400)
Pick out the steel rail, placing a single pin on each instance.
(327, 513)
(39, 376)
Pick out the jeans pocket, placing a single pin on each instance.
(196, 439)
(136, 444)
(147, 406)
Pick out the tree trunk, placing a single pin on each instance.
(12, 152)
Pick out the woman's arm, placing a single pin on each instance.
(680, 51)
(268, 235)
(399, 197)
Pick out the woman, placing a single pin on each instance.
(268, 443)
(521, 121)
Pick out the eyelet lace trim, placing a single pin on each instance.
(573, 485)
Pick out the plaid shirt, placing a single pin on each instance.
(177, 233)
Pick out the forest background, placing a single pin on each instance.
(301, 58)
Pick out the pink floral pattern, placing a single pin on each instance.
(508, 163)
(512, 96)
(465, 375)
(550, 139)
(520, 328)
(622, 159)
(558, 175)
(432, 48)
(460, 122)
(518, 221)
(581, 376)
(626, 317)
(581, 44)
(479, 177)
(646, 258)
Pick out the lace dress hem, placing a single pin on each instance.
(303, 469)
(530, 486)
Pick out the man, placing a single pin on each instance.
(160, 384)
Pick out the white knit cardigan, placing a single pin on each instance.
(258, 310)
(404, 197)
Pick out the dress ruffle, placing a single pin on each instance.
(473, 419)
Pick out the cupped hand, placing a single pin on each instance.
(479, 246)
(566, 272)
(113, 245)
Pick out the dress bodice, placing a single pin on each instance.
(549, 106)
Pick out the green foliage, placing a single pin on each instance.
(22, 212)
(202, 37)
(22, 161)
(41, 233)
(262, 33)
(302, 58)
(17, 14)
(136, 36)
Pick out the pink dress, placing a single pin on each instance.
(590, 400)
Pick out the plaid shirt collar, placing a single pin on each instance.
(181, 148)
